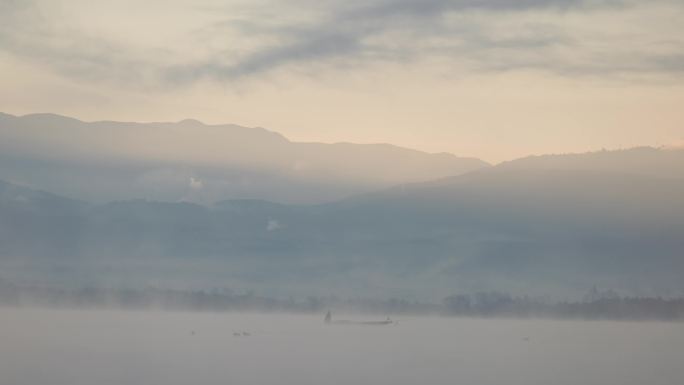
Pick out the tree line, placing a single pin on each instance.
(595, 305)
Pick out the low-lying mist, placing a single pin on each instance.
(59, 347)
(595, 305)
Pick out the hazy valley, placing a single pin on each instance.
(554, 225)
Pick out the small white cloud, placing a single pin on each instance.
(196, 184)
(272, 225)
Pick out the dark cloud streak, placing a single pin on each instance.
(353, 32)
(463, 32)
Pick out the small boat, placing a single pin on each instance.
(388, 321)
(328, 320)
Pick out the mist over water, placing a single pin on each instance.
(74, 347)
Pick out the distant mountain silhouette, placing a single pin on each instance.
(191, 161)
(662, 162)
(537, 230)
(396, 220)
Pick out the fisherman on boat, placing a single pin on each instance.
(328, 320)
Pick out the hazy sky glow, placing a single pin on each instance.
(494, 79)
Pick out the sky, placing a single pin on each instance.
(494, 79)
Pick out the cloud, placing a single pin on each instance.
(196, 184)
(558, 36)
(272, 225)
(364, 33)
(28, 29)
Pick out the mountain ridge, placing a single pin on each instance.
(546, 224)
(189, 160)
(555, 231)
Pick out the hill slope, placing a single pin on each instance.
(191, 161)
(537, 230)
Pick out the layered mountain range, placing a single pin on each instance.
(194, 162)
(349, 220)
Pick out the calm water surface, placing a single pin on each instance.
(69, 347)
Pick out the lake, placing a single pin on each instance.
(102, 347)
